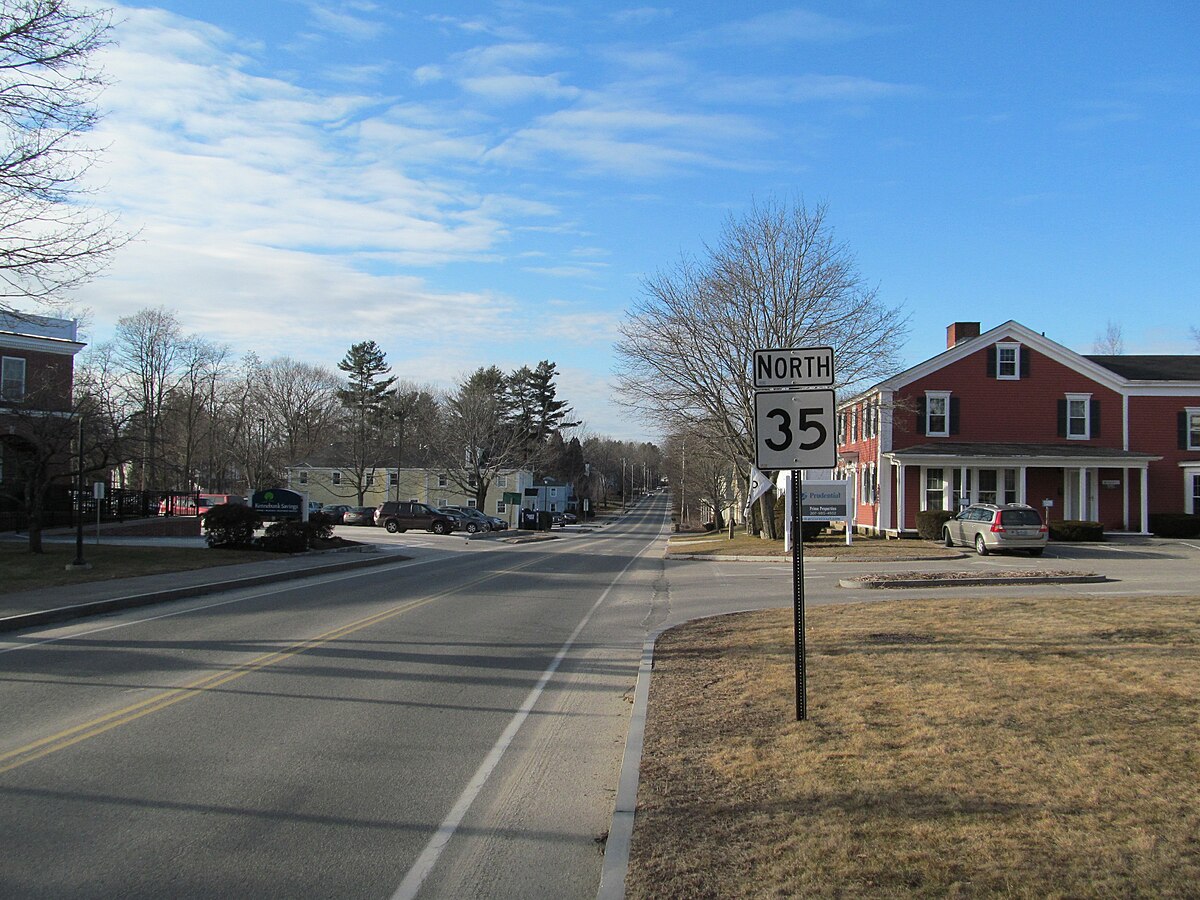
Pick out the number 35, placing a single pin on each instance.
(803, 425)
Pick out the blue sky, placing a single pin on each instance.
(479, 183)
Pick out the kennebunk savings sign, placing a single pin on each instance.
(278, 503)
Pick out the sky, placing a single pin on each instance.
(470, 184)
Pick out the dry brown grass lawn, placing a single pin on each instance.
(24, 570)
(1025, 748)
(826, 545)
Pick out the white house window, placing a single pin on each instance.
(1008, 361)
(1010, 485)
(1194, 499)
(937, 413)
(1193, 429)
(1078, 419)
(987, 485)
(12, 378)
(471, 503)
(443, 481)
(393, 478)
(501, 507)
(502, 481)
(304, 478)
(935, 489)
(337, 478)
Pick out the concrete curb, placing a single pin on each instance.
(99, 607)
(710, 557)
(620, 833)
(867, 584)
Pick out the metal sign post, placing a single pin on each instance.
(798, 600)
(794, 429)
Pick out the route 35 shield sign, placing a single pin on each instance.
(794, 430)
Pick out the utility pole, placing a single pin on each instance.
(79, 562)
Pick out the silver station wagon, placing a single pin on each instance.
(988, 527)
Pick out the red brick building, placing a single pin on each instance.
(1009, 416)
(37, 364)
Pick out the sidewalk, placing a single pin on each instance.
(25, 609)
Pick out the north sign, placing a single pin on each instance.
(796, 368)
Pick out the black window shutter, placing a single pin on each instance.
(1025, 354)
(1183, 430)
(1094, 424)
(1062, 418)
(954, 415)
(921, 416)
(991, 361)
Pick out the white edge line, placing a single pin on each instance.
(620, 832)
(433, 849)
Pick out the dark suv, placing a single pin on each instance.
(400, 515)
(988, 527)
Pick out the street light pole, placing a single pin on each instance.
(79, 560)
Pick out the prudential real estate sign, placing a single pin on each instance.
(824, 500)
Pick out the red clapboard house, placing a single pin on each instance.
(1009, 416)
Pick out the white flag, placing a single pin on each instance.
(759, 485)
(783, 484)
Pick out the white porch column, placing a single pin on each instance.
(1145, 500)
(900, 499)
(1021, 494)
(1125, 499)
(1081, 512)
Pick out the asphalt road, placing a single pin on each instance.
(447, 727)
(451, 726)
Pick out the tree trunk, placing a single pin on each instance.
(766, 509)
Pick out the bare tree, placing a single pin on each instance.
(300, 401)
(51, 240)
(478, 440)
(776, 278)
(149, 349)
(1111, 341)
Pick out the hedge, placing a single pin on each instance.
(1175, 525)
(930, 522)
(231, 526)
(1074, 530)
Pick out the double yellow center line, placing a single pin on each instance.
(70, 736)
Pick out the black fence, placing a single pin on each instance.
(63, 506)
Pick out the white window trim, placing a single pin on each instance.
(1190, 471)
(1016, 349)
(10, 362)
(937, 395)
(1086, 399)
(1189, 412)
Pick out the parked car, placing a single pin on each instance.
(190, 505)
(337, 512)
(359, 515)
(988, 527)
(477, 520)
(460, 521)
(397, 516)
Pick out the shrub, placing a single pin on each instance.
(320, 526)
(809, 531)
(930, 522)
(231, 525)
(1074, 530)
(1175, 525)
(287, 536)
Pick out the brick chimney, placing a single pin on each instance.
(957, 332)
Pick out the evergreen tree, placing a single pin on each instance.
(366, 399)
